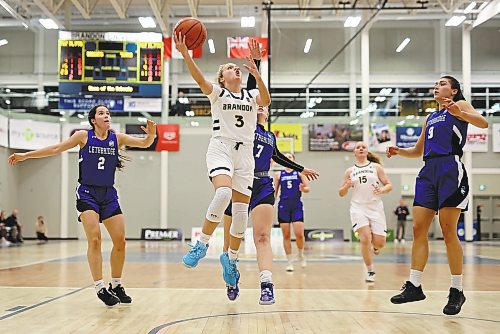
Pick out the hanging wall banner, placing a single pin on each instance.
(334, 137)
(288, 131)
(407, 136)
(477, 139)
(4, 131)
(32, 135)
(87, 103)
(381, 137)
(168, 137)
(496, 137)
(142, 104)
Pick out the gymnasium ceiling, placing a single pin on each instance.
(122, 14)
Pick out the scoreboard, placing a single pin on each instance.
(110, 63)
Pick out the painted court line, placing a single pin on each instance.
(41, 303)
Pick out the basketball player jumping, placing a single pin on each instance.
(262, 200)
(97, 199)
(230, 161)
(368, 181)
(441, 187)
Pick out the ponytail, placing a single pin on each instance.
(373, 158)
(459, 96)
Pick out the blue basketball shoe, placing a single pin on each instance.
(266, 293)
(230, 272)
(233, 291)
(196, 253)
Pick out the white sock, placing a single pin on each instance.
(233, 254)
(204, 238)
(115, 282)
(301, 253)
(416, 277)
(370, 268)
(289, 258)
(98, 285)
(266, 276)
(456, 282)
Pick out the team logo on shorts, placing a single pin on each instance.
(111, 143)
(462, 190)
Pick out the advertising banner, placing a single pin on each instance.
(407, 136)
(31, 135)
(334, 137)
(87, 103)
(168, 137)
(381, 137)
(4, 131)
(477, 139)
(161, 234)
(142, 104)
(324, 235)
(496, 137)
(288, 131)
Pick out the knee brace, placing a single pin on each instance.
(219, 203)
(240, 220)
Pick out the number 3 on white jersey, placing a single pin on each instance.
(100, 164)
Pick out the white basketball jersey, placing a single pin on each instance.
(365, 179)
(234, 115)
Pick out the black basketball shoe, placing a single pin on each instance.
(119, 292)
(409, 293)
(107, 297)
(456, 299)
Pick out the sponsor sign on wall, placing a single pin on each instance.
(407, 136)
(142, 104)
(477, 139)
(4, 131)
(87, 103)
(32, 135)
(496, 137)
(334, 137)
(161, 234)
(324, 235)
(288, 131)
(168, 137)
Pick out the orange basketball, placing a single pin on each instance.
(194, 30)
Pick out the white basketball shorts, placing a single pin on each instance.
(369, 214)
(230, 158)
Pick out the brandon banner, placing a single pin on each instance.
(237, 47)
(168, 137)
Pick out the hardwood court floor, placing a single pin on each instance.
(47, 289)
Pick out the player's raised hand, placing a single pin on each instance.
(16, 157)
(349, 183)
(150, 128)
(180, 43)
(255, 50)
(310, 174)
(251, 67)
(391, 150)
(451, 107)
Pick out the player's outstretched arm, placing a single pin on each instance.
(126, 140)
(78, 138)
(205, 85)
(410, 152)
